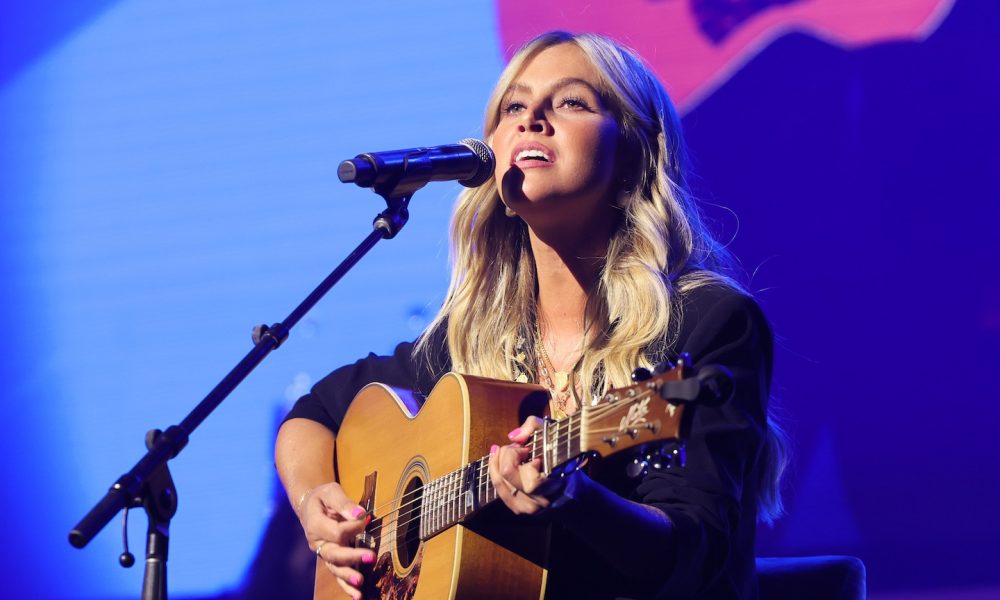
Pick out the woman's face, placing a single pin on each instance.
(556, 142)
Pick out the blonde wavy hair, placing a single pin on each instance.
(660, 250)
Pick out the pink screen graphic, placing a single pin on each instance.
(696, 45)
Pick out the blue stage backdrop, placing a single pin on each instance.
(168, 180)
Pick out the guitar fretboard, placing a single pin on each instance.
(451, 498)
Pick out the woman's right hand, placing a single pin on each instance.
(331, 521)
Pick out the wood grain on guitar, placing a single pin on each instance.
(423, 476)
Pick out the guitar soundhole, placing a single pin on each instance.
(408, 525)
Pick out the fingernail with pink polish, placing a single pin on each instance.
(494, 449)
(515, 433)
(355, 580)
(368, 558)
(357, 512)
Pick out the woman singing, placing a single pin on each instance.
(585, 258)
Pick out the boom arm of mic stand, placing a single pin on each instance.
(132, 486)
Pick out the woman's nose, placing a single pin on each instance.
(535, 121)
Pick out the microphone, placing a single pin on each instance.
(470, 161)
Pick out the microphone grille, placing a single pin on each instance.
(487, 162)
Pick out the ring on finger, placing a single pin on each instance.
(319, 548)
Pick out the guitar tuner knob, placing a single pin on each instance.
(663, 367)
(641, 374)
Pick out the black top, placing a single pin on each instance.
(711, 500)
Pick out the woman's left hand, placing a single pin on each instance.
(515, 477)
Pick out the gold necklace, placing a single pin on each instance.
(563, 402)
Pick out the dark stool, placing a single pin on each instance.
(813, 577)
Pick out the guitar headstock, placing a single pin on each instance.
(633, 415)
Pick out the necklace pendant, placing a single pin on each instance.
(562, 381)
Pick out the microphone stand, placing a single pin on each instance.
(149, 483)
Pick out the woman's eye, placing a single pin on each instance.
(512, 108)
(575, 103)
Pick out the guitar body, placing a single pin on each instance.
(387, 450)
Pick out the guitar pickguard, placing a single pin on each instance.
(390, 586)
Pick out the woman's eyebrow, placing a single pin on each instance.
(517, 86)
(568, 81)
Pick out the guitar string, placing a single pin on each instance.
(575, 425)
(394, 526)
(437, 479)
(487, 490)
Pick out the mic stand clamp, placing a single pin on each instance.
(159, 498)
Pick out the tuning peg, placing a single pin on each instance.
(663, 367)
(641, 374)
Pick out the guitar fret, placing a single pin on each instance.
(481, 489)
(432, 522)
(429, 506)
(460, 500)
(569, 437)
(486, 484)
(437, 507)
(555, 441)
(453, 500)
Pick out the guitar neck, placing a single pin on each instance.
(451, 498)
(624, 419)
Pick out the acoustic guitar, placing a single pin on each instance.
(421, 473)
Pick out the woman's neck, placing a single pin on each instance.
(566, 275)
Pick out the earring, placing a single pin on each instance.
(508, 210)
